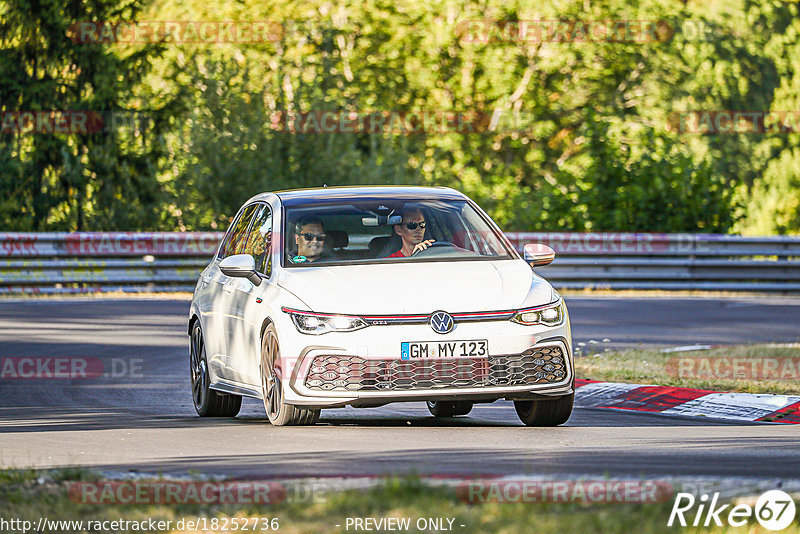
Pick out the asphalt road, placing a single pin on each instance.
(142, 419)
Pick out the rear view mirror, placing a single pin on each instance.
(240, 266)
(382, 220)
(538, 254)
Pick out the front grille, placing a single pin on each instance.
(352, 373)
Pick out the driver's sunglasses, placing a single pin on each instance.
(413, 225)
(311, 237)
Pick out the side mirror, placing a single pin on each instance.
(240, 266)
(537, 254)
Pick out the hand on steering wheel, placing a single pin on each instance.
(419, 247)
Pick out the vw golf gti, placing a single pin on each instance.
(363, 296)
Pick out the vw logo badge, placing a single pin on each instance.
(441, 322)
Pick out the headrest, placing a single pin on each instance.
(339, 238)
(376, 244)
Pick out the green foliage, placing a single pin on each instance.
(774, 206)
(591, 149)
(658, 188)
(75, 181)
(233, 150)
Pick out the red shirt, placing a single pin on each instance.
(398, 254)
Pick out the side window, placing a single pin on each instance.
(259, 242)
(238, 233)
(226, 239)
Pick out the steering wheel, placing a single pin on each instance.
(435, 244)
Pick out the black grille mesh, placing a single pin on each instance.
(353, 373)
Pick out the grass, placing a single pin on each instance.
(31, 498)
(700, 368)
(10, 477)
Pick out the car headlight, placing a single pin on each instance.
(321, 323)
(550, 315)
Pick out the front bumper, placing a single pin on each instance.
(373, 356)
(541, 371)
(524, 363)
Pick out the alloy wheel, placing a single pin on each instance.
(271, 376)
(198, 367)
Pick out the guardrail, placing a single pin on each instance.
(170, 261)
(710, 262)
(87, 262)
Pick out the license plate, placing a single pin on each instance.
(415, 350)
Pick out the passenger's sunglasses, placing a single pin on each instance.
(312, 237)
(413, 225)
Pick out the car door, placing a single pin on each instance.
(211, 312)
(220, 284)
(243, 297)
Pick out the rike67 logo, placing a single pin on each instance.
(774, 510)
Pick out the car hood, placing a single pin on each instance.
(417, 288)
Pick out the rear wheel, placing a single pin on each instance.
(278, 412)
(551, 412)
(207, 402)
(449, 408)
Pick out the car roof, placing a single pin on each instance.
(296, 197)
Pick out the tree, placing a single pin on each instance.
(101, 177)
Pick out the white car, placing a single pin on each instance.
(362, 296)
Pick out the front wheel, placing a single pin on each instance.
(449, 408)
(551, 412)
(207, 402)
(278, 412)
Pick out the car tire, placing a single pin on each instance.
(207, 402)
(449, 408)
(545, 412)
(278, 412)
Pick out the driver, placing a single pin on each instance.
(310, 239)
(411, 231)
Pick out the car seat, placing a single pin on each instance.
(337, 240)
(380, 247)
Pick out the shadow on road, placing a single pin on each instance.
(476, 462)
(408, 415)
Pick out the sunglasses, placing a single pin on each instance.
(413, 225)
(312, 237)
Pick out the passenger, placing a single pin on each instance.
(412, 232)
(310, 239)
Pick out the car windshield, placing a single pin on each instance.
(390, 231)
